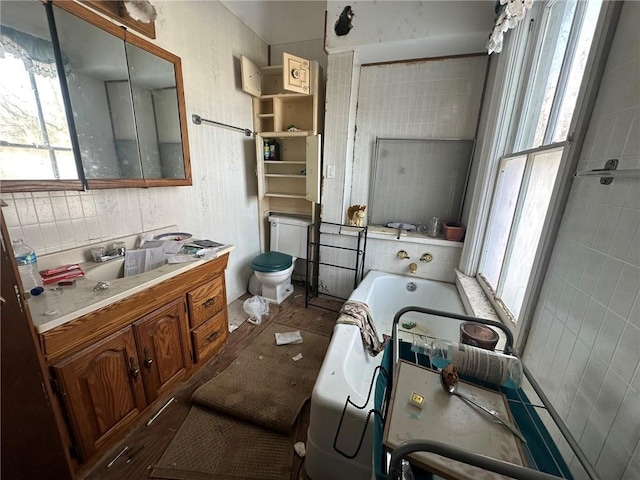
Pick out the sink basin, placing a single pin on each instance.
(105, 272)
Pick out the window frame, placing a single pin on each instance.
(495, 294)
(501, 134)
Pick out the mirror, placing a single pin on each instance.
(155, 100)
(413, 180)
(128, 124)
(35, 144)
(95, 67)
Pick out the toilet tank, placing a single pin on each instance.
(289, 235)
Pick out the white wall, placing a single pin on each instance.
(398, 30)
(222, 203)
(584, 347)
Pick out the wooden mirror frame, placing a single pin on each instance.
(97, 20)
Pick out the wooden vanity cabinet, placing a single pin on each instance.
(111, 365)
(102, 390)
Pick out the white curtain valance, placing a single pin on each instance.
(509, 12)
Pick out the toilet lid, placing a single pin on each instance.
(271, 262)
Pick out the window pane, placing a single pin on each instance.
(504, 205)
(541, 92)
(528, 227)
(55, 118)
(66, 164)
(576, 72)
(18, 110)
(26, 164)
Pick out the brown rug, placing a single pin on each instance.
(214, 446)
(313, 320)
(264, 386)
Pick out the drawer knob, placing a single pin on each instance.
(209, 302)
(212, 337)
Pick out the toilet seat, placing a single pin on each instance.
(271, 262)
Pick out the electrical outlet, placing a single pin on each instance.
(331, 171)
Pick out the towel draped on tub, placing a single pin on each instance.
(358, 314)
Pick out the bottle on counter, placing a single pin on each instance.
(493, 367)
(27, 265)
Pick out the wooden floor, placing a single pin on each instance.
(146, 444)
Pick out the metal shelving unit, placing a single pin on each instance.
(315, 249)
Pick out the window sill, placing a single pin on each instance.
(477, 304)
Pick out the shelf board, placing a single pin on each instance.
(271, 69)
(284, 95)
(285, 195)
(284, 175)
(303, 133)
(290, 162)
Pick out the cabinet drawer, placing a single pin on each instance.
(210, 336)
(205, 301)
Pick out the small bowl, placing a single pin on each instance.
(478, 335)
(177, 236)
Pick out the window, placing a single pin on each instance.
(527, 172)
(33, 126)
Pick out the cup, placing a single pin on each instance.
(433, 226)
(97, 253)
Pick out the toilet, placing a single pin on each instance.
(288, 242)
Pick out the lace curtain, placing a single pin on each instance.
(509, 13)
(36, 53)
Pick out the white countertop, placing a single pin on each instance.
(80, 299)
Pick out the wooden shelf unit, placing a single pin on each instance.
(284, 96)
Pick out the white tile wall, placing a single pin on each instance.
(432, 99)
(222, 203)
(584, 347)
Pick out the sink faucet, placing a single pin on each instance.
(399, 230)
(116, 251)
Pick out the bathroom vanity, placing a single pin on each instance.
(111, 354)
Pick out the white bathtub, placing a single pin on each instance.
(347, 370)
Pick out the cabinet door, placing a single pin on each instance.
(296, 74)
(102, 390)
(162, 347)
(260, 165)
(251, 77)
(313, 169)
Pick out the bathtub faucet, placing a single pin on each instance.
(413, 268)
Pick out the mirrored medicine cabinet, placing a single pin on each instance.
(86, 104)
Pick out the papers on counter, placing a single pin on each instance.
(151, 254)
(155, 253)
